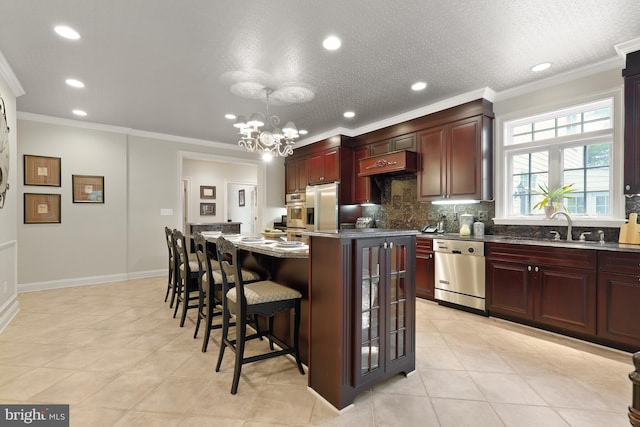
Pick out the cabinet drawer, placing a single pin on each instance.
(424, 246)
(543, 255)
(619, 262)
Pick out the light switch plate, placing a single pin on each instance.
(483, 215)
(166, 212)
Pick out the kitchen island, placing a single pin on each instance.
(362, 310)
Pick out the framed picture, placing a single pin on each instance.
(41, 208)
(207, 208)
(42, 170)
(207, 192)
(88, 189)
(241, 197)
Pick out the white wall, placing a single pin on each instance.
(124, 237)
(8, 218)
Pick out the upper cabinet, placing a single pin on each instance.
(632, 124)
(295, 175)
(403, 142)
(364, 190)
(456, 159)
(324, 167)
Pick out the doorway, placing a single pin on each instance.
(242, 202)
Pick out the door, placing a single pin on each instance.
(432, 180)
(241, 206)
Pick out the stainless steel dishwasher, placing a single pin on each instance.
(459, 273)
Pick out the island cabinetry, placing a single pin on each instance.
(619, 298)
(456, 160)
(295, 175)
(425, 274)
(364, 190)
(550, 287)
(403, 142)
(631, 76)
(362, 312)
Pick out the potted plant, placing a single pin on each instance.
(553, 198)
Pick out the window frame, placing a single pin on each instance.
(502, 165)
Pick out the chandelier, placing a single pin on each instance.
(269, 142)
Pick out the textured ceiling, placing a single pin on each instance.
(168, 67)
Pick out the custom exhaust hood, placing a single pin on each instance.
(395, 162)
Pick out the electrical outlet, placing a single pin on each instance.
(483, 215)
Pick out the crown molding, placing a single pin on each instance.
(185, 140)
(627, 47)
(32, 117)
(9, 76)
(598, 67)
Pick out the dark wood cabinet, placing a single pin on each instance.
(403, 142)
(619, 299)
(551, 287)
(295, 175)
(324, 167)
(632, 124)
(456, 160)
(365, 305)
(425, 274)
(364, 189)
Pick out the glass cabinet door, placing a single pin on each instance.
(370, 305)
(397, 304)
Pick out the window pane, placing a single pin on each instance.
(545, 124)
(521, 184)
(575, 177)
(520, 139)
(521, 164)
(602, 113)
(544, 134)
(598, 125)
(540, 161)
(522, 129)
(569, 130)
(573, 157)
(598, 179)
(570, 119)
(598, 155)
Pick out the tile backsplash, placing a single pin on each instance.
(399, 209)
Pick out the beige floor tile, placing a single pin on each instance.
(282, 404)
(27, 385)
(400, 384)
(462, 413)
(483, 361)
(75, 388)
(161, 364)
(133, 418)
(360, 414)
(212, 421)
(124, 392)
(506, 388)
(450, 384)
(80, 416)
(528, 416)
(587, 418)
(8, 373)
(119, 361)
(565, 392)
(401, 410)
(175, 395)
(78, 358)
(439, 358)
(218, 400)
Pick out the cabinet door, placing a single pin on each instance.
(632, 134)
(509, 289)
(369, 311)
(404, 142)
(432, 180)
(314, 169)
(364, 191)
(381, 147)
(295, 176)
(618, 302)
(566, 299)
(425, 274)
(464, 158)
(400, 303)
(331, 166)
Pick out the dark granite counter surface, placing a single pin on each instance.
(575, 244)
(358, 233)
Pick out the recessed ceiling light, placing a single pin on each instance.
(541, 67)
(67, 32)
(349, 114)
(332, 43)
(74, 83)
(418, 86)
(79, 113)
(303, 132)
(230, 116)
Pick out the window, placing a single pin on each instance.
(573, 145)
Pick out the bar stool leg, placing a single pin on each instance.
(296, 330)
(241, 332)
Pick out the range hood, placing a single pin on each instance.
(394, 162)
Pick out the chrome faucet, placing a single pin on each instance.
(569, 223)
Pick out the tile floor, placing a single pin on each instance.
(116, 355)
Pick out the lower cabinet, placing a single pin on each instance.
(619, 298)
(425, 279)
(550, 287)
(362, 313)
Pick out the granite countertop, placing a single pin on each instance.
(262, 246)
(573, 244)
(357, 233)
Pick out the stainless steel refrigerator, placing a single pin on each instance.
(323, 200)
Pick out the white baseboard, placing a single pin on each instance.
(83, 281)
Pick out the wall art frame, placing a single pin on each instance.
(207, 191)
(40, 208)
(241, 201)
(207, 208)
(88, 188)
(42, 170)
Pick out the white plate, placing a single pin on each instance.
(289, 244)
(230, 235)
(252, 239)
